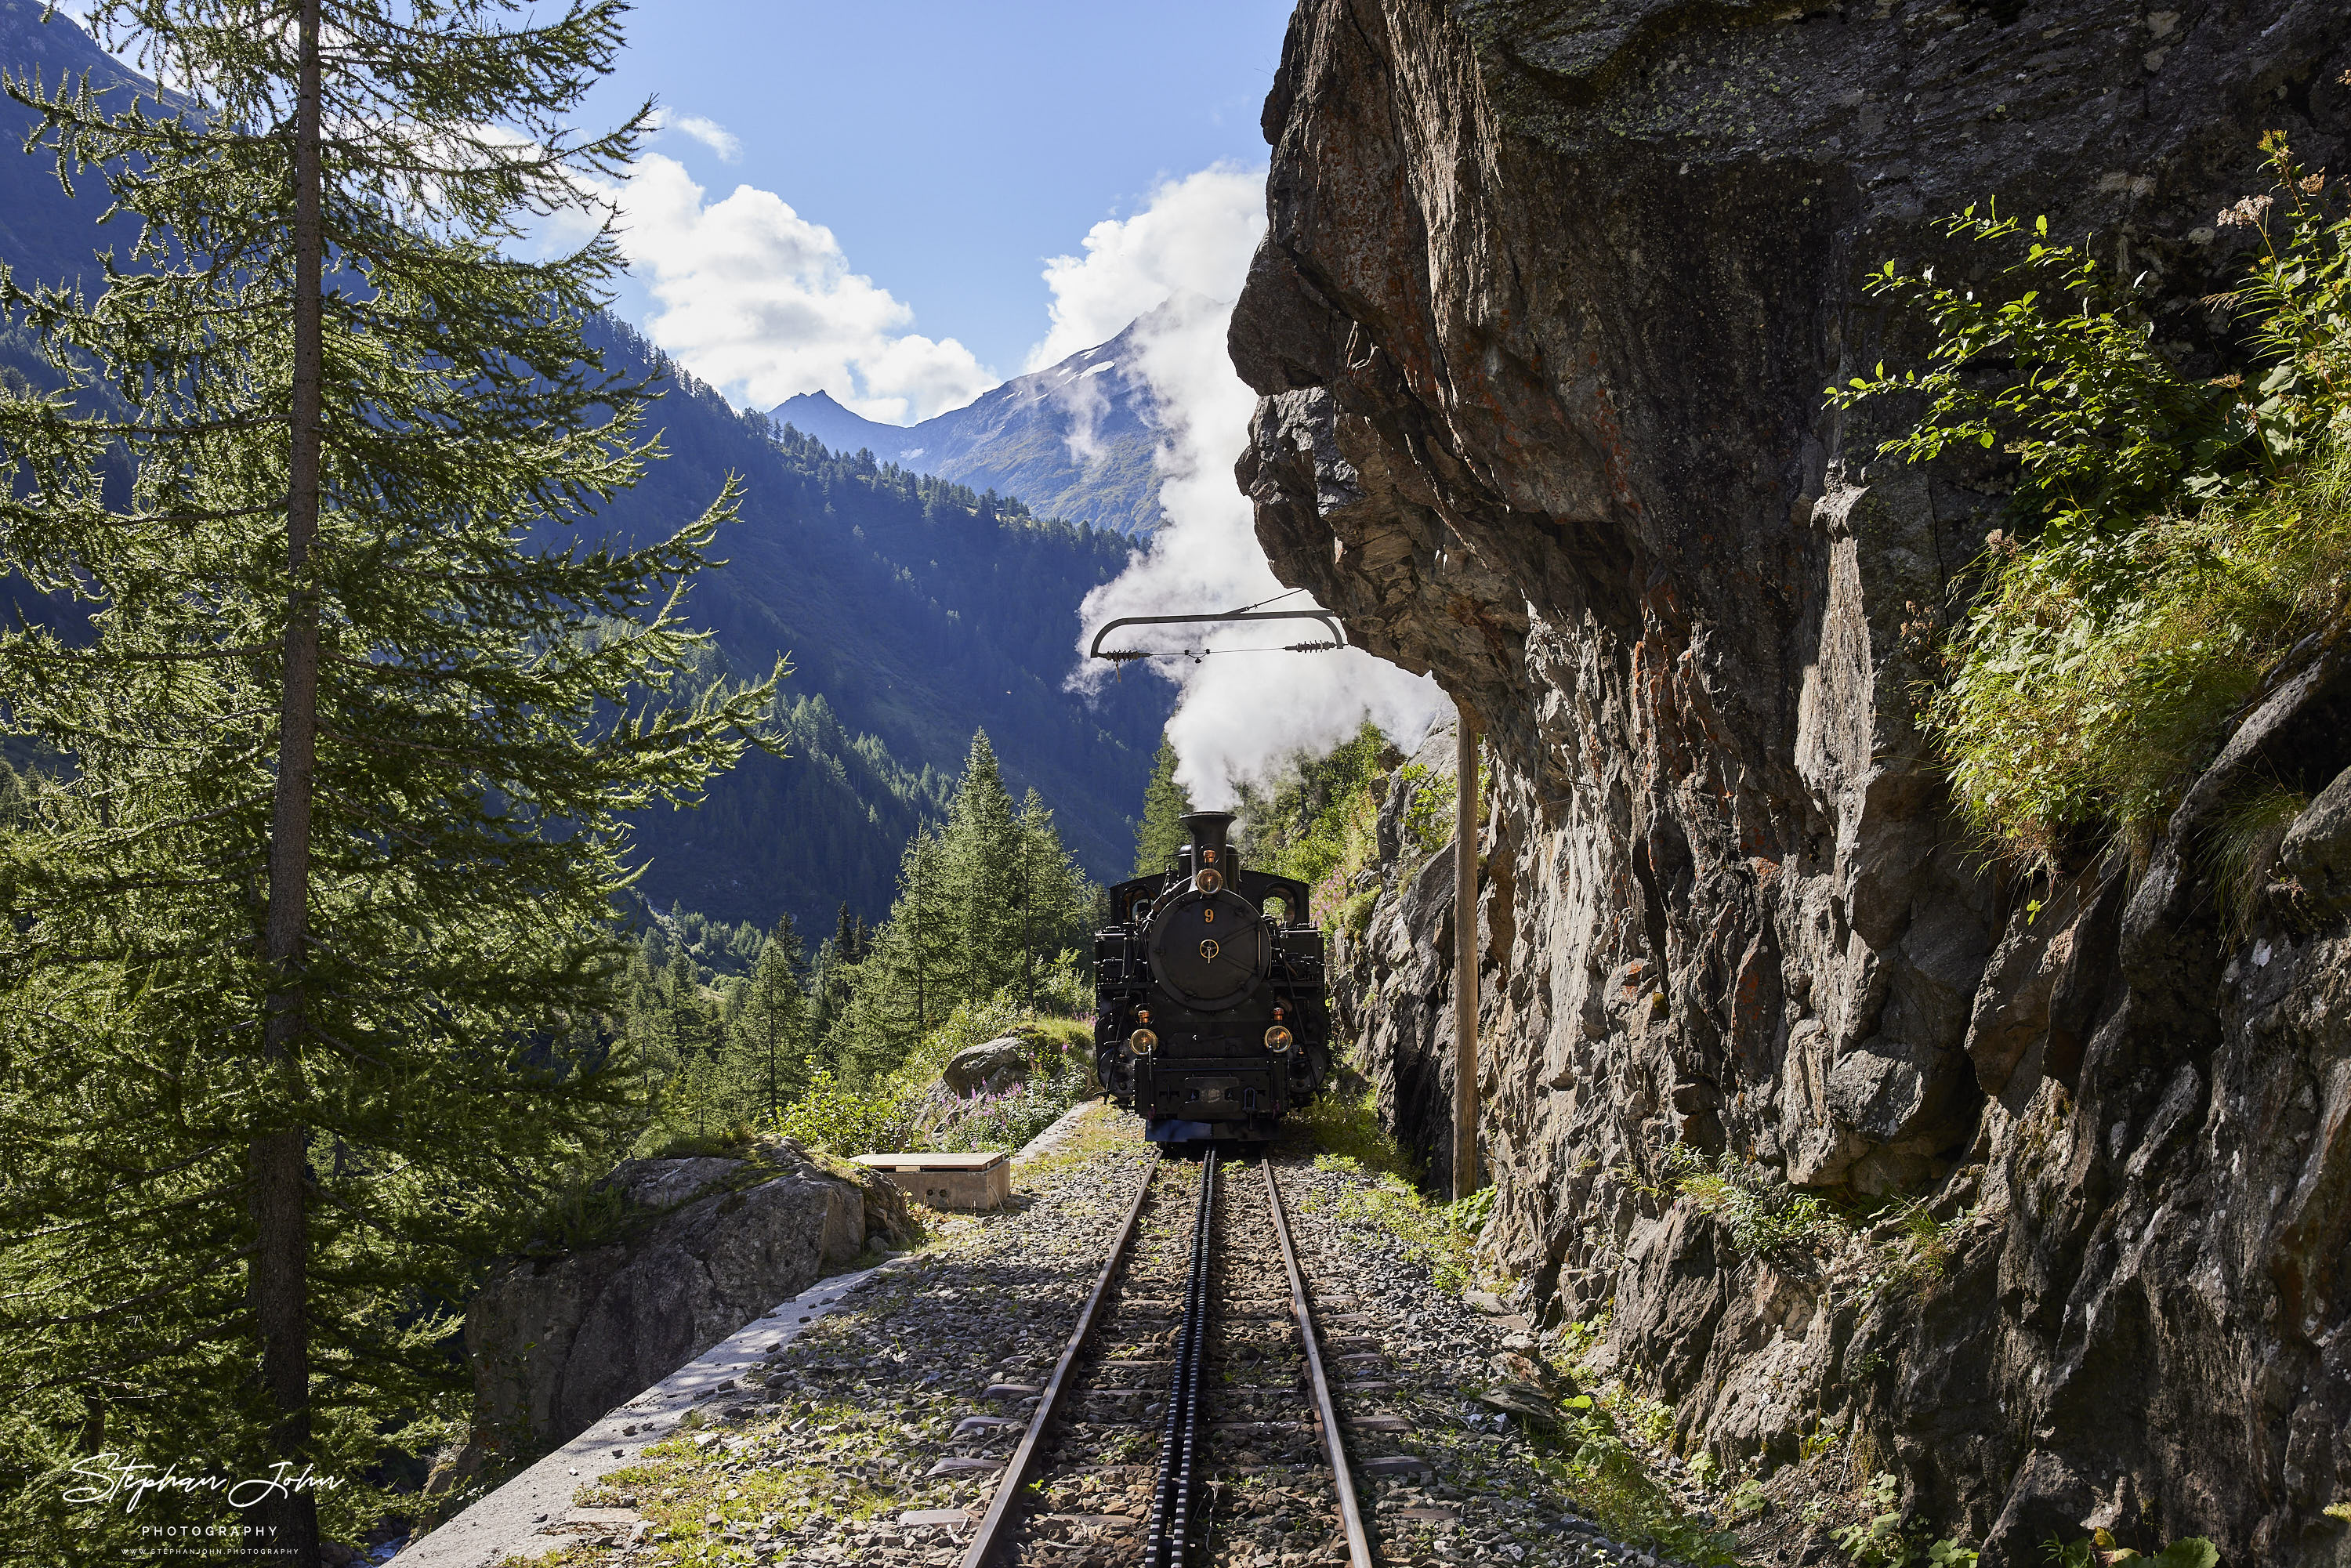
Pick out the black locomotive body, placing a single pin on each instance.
(1210, 1016)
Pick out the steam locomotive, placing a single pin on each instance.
(1210, 1016)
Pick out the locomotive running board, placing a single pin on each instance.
(1322, 617)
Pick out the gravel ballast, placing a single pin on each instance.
(877, 1435)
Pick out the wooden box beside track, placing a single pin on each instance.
(948, 1181)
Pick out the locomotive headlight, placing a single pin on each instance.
(1277, 1038)
(1143, 1042)
(1207, 881)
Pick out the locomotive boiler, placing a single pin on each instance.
(1211, 1020)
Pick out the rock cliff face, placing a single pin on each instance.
(1539, 329)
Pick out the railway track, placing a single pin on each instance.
(1190, 1412)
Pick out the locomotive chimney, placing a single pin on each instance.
(1208, 849)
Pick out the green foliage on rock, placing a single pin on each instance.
(1316, 815)
(909, 1109)
(1428, 815)
(2171, 542)
(1317, 819)
(2098, 1550)
(1765, 1215)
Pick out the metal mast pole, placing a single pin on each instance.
(1464, 957)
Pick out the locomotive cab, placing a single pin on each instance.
(1210, 1016)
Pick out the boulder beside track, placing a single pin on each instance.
(557, 1342)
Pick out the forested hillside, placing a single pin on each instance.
(914, 612)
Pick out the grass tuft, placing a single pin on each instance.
(2242, 849)
(1348, 1126)
(1765, 1215)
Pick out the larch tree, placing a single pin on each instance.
(302, 938)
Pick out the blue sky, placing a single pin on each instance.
(951, 150)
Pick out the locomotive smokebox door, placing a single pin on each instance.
(1208, 948)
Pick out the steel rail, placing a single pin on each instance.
(1359, 1544)
(997, 1524)
(1179, 1439)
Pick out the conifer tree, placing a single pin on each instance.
(1165, 803)
(982, 845)
(984, 901)
(1054, 896)
(295, 958)
(830, 980)
(911, 960)
(769, 1034)
(920, 928)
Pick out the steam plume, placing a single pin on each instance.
(1241, 714)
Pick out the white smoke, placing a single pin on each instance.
(1179, 264)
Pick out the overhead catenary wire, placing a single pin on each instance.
(1121, 655)
(1324, 618)
(1262, 603)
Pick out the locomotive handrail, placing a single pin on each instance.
(1338, 632)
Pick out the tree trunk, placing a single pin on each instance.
(276, 1163)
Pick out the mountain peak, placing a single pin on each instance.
(820, 415)
(1073, 440)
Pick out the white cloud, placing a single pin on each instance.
(760, 302)
(709, 132)
(1194, 237)
(1241, 714)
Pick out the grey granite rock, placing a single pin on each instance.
(2316, 855)
(556, 1342)
(990, 1066)
(1540, 329)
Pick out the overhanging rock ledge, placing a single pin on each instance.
(1539, 330)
